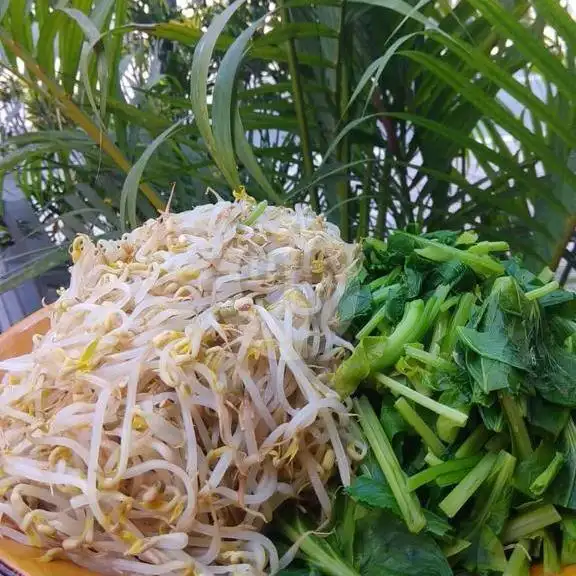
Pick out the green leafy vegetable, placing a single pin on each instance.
(385, 546)
(395, 476)
(470, 361)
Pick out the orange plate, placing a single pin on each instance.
(19, 559)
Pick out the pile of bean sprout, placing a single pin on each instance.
(181, 395)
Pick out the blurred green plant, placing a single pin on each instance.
(380, 113)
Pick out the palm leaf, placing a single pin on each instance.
(129, 192)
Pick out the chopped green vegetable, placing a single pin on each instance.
(529, 522)
(568, 550)
(550, 553)
(452, 503)
(541, 483)
(519, 563)
(498, 491)
(457, 417)
(474, 443)
(434, 472)
(542, 291)
(414, 420)
(470, 361)
(407, 503)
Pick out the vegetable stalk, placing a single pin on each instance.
(459, 418)
(519, 563)
(318, 552)
(472, 481)
(422, 429)
(434, 472)
(517, 426)
(384, 453)
(529, 522)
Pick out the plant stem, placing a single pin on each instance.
(434, 472)
(541, 483)
(498, 442)
(542, 291)
(298, 95)
(440, 329)
(256, 213)
(503, 479)
(530, 522)
(452, 478)
(455, 548)
(432, 460)
(487, 247)
(519, 562)
(318, 552)
(428, 359)
(372, 324)
(518, 430)
(381, 294)
(449, 302)
(422, 429)
(459, 418)
(481, 264)
(474, 443)
(406, 331)
(460, 318)
(384, 453)
(551, 559)
(468, 486)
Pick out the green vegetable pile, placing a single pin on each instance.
(464, 382)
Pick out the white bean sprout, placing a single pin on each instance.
(180, 395)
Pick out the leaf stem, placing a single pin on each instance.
(487, 247)
(541, 483)
(381, 294)
(432, 460)
(429, 359)
(542, 291)
(318, 552)
(460, 318)
(518, 431)
(455, 547)
(474, 443)
(372, 324)
(452, 414)
(386, 457)
(551, 559)
(529, 522)
(422, 429)
(505, 467)
(468, 486)
(256, 213)
(434, 472)
(519, 562)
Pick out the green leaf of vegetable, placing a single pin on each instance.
(385, 546)
(492, 345)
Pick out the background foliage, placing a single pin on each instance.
(423, 114)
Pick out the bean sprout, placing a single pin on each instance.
(180, 395)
